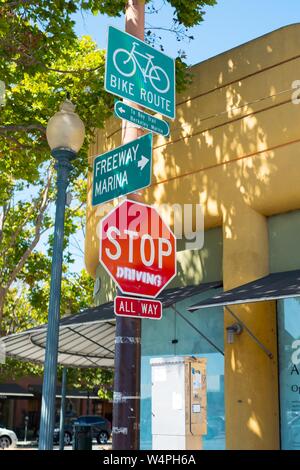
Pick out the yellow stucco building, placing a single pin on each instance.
(234, 148)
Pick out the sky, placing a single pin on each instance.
(226, 25)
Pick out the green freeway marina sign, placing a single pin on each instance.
(123, 170)
(139, 73)
(141, 119)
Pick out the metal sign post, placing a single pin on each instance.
(142, 75)
(126, 400)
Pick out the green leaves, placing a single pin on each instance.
(190, 13)
(30, 103)
(27, 189)
(41, 61)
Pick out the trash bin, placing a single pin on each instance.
(82, 439)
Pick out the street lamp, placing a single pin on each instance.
(65, 135)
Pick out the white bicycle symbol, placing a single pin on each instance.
(130, 60)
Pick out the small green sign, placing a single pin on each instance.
(139, 73)
(123, 170)
(141, 119)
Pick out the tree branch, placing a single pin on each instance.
(39, 220)
(179, 31)
(76, 245)
(4, 212)
(22, 127)
(37, 205)
(71, 71)
(78, 207)
(18, 143)
(19, 3)
(33, 60)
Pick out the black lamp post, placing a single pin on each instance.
(65, 135)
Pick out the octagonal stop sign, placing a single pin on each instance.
(137, 249)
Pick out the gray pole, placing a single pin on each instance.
(63, 167)
(62, 410)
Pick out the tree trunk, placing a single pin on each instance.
(3, 293)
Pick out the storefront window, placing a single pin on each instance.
(172, 336)
(289, 371)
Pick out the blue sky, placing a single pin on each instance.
(226, 25)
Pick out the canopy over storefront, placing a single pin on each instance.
(272, 287)
(14, 390)
(87, 338)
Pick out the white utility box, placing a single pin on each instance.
(178, 403)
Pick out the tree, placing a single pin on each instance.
(25, 162)
(41, 62)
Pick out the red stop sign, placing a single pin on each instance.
(137, 249)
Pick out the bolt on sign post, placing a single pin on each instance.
(137, 72)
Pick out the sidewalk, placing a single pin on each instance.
(32, 445)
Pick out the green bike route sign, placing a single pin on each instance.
(139, 73)
(141, 119)
(123, 170)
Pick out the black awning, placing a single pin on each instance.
(171, 296)
(105, 312)
(86, 339)
(274, 286)
(13, 390)
(37, 389)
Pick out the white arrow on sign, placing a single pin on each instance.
(143, 162)
(121, 110)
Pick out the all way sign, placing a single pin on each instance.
(140, 308)
(123, 170)
(141, 119)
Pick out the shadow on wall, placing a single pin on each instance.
(234, 140)
(233, 148)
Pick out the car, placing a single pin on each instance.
(8, 438)
(101, 427)
(68, 431)
(68, 428)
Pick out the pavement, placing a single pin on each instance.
(32, 445)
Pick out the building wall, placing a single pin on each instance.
(234, 148)
(284, 235)
(233, 142)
